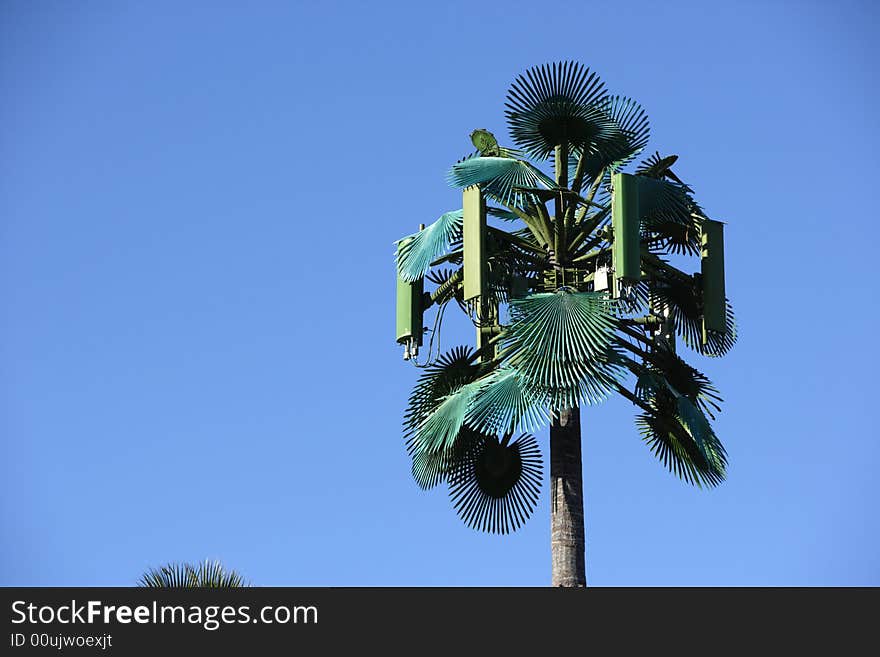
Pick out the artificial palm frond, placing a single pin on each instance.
(649, 384)
(686, 380)
(561, 343)
(669, 218)
(675, 427)
(679, 235)
(440, 430)
(505, 404)
(632, 131)
(681, 298)
(521, 243)
(717, 343)
(696, 424)
(430, 468)
(500, 178)
(496, 486)
(504, 215)
(499, 401)
(620, 144)
(416, 252)
(185, 575)
(667, 201)
(696, 458)
(449, 372)
(557, 104)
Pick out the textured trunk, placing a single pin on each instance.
(567, 500)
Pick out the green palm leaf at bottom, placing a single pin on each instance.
(450, 372)
(495, 487)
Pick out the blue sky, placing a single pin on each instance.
(199, 203)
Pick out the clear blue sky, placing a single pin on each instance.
(198, 203)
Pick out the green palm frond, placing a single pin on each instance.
(416, 252)
(668, 201)
(557, 104)
(430, 468)
(505, 404)
(649, 384)
(500, 178)
(207, 574)
(687, 380)
(696, 424)
(448, 373)
(632, 131)
(496, 487)
(504, 215)
(677, 430)
(672, 225)
(682, 299)
(561, 344)
(440, 430)
(698, 458)
(620, 144)
(717, 344)
(679, 235)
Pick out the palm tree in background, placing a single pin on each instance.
(567, 277)
(206, 574)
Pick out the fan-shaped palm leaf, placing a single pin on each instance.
(500, 178)
(561, 343)
(628, 136)
(683, 299)
(440, 430)
(429, 468)
(675, 428)
(416, 252)
(557, 104)
(496, 487)
(665, 202)
(717, 343)
(698, 459)
(686, 380)
(649, 384)
(448, 373)
(185, 575)
(679, 235)
(505, 404)
(631, 134)
(696, 424)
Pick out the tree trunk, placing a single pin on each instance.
(567, 500)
